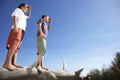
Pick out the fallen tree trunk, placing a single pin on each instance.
(31, 73)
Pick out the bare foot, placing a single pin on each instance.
(10, 67)
(45, 68)
(18, 66)
(40, 69)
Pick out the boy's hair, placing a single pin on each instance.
(43, 16)
(22, 4)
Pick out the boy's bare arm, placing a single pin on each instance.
(29, 11)
(40, 30)
(49, 24)
(15, 23)
(49, 27)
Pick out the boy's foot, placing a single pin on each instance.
(45, 68)
(18, 66)
(40, 69)
(10, 68)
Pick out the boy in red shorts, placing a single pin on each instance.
(16, 36)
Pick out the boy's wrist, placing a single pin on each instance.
(49, 24)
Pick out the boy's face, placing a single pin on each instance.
(25, 8)
(46, 19)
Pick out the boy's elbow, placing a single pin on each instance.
(48, 29)
(29, 16)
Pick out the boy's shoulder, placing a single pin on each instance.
(40, 21)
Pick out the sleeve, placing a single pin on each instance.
(39, 21)
(27, 17)
(16, 12)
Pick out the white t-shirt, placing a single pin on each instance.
(21, 22)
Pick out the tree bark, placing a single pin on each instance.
(31, 73)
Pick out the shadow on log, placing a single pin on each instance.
(31, 73)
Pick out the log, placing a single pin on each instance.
(31, 73)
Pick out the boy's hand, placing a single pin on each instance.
(42, 36)
(50, 20)
(29, 7)
(15, 30)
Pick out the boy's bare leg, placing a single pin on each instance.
(43, 66)
(8, 60)
(39, 67)
(14, 60)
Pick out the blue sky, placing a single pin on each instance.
(85, 33)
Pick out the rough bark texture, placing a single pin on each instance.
(31, 73)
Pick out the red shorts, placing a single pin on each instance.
(15, 39)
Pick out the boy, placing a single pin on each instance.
(16, 36)
(44, 25)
